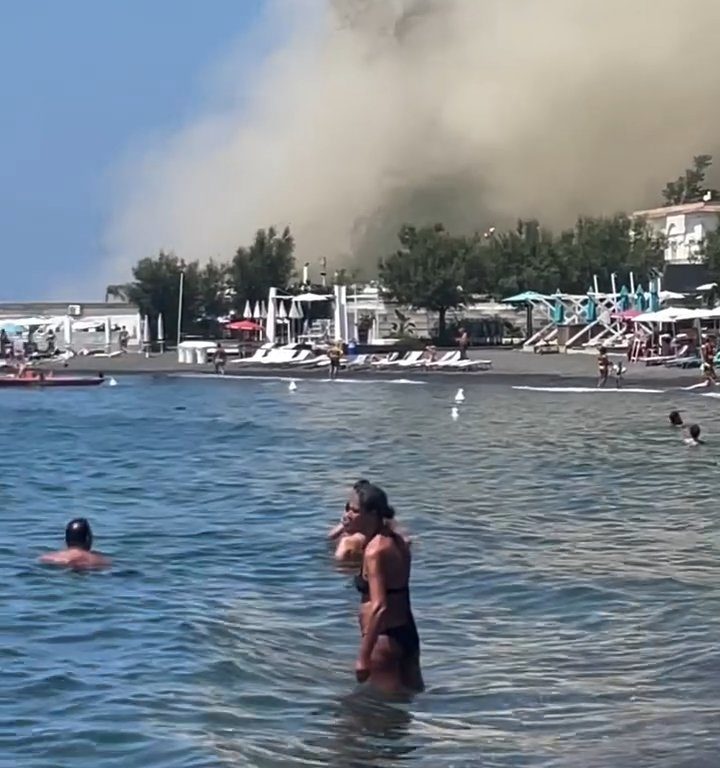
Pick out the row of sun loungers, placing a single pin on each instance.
(290, 357)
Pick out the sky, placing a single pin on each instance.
(82, 83)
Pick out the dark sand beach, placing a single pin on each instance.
(508, 367)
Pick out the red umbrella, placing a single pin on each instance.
(244, 325)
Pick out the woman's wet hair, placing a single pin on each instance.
(359, 484)
(675, 419)
(373, 500)
(695, 431)
(79, 534)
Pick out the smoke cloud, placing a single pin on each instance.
(471, 112)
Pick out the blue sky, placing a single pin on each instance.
(83, 82)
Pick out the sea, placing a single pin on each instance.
(566, 576)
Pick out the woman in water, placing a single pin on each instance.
(350, 546)
(693, 436)
(675, 419)
(79, 554)
(389, 654)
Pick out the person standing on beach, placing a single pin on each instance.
(389, 653)
(78, 553)
(463, 343)
(603, 364)
(334, 353)
(219, 359)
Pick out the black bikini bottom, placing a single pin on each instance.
(406, 636)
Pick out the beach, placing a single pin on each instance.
(508, 367)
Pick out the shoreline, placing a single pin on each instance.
(508, 367)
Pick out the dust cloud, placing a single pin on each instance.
(371, 113)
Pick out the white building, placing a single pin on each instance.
(685, 227)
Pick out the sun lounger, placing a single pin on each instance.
(468, 365)
(448, 357)
(259, 354)
(359, 361)
(411, 360)
(386, 361)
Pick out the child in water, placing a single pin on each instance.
(693, 437)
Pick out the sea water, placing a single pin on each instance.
(565, 579)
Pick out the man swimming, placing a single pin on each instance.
(693, 437)
(676, 419)
(78, 555)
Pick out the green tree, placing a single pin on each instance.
(690, 187)
(214, 294)
(429, 271)
(267, 262)
(155, 290)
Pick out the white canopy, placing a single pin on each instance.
(311, 297)
(676, 314)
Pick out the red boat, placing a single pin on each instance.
(35, 380)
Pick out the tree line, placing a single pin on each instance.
(431, 268)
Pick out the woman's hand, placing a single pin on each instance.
(362, 670)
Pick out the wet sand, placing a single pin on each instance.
(508, 367)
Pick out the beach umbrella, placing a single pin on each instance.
(524, 297)
(295, 314)
(263, 310)
(247, 312)
(640, 301)
(108, 334)
(161, 332)
(558, 313)
(654, 296)
(282, 316)
(146, 335)
(310, 297)
(623, 302)
(256, 311)
(591, 310)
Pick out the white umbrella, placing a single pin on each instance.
(108, 335)
(282, 317)
(146, 335)
(256, 311)
(247, 312)
(161, 332)
(295, 314)
(263, 310)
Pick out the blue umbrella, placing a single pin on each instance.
(11, 329)
(624, 300)
(525, 296)
(654, 297)
(591, 309)
(558, 313)
(639, 299)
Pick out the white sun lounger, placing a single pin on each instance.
(259, 354)
(413, 359)
(448, 357)
(388, 360)
(465, 365)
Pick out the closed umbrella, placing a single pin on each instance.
(108, 335)
(640, 300)
(247, 312)
(591, 309)
(623, 303)
(295, 314)
(558, 313)
(161, 332)
(146, 335)
(282, 316)
(256, 311)
(654, 296)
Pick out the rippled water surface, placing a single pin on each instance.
(565, 577)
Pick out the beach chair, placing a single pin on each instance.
(258, 355)
(412, 360)
(387, 361)
(468, 365)
(448, 357)
(359, 361)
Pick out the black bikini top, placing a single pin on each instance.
(362, 586)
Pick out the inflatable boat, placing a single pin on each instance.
(19, 382)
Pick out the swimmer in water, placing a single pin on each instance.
(693, 437)
(676, 419)
(603, 364)
(619, 372)
(389, 653)
(79, 554)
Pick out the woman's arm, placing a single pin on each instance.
(378, 609)
(336, 532)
